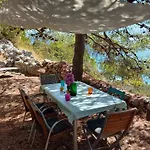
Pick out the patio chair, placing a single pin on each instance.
(116, 92)
(48, 79)
(26, 100)
(114, 125)
(52, 128)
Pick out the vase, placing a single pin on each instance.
(72, 88)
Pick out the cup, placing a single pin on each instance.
(90, 90)
(61, 88)
(67, 97)
(62, 82)
(73, 89)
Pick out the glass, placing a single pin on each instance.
(67, 97)
(62, 82)
(61, 88)
(73, 89)
(90, 90)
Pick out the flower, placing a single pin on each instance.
(69, 79)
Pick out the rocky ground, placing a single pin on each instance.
(12, 137)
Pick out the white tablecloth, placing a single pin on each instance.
(82, 104)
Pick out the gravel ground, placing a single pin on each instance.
(12, 137)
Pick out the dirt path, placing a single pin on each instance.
(12, 137)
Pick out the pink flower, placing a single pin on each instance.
(69, 78)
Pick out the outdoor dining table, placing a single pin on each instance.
(82, 104)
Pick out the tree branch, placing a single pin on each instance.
(118, 48)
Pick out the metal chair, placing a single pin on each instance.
(52, 128)
(26, 100)
(48, 79)
(116, 92)
(113, 125)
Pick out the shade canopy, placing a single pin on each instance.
(78, 16)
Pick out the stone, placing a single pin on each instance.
(2, 64)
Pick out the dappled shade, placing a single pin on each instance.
(79, 16)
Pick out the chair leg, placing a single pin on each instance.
(47, 141)
(32, 127)
(45, 99)
(86, 135)
(33, 137)
(59, 113)
(118, 146)
(23, 119)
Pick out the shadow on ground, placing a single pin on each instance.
(12, 137)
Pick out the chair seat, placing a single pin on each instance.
(60, 127)
(114, 124)
(47, 111)
(40, 104)
(95, 125)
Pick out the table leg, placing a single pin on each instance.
(75, 144)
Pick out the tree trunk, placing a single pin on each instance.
(148, 112)
(148, 115)
(78, 56)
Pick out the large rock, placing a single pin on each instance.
(2, 64)
(19, 58)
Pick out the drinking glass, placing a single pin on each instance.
(90, 90)
(62, 82)
(73, 89)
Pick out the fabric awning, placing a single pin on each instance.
(78, 16)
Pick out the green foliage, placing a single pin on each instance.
(9, 32)
(119, 48)
(61, 47)
(90, 66)
(1, 1)
(120, 70)
(59, 50)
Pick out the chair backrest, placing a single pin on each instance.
(116, 92)
(24, 97)
(118, 122)
(48, 79)
(27, 102)
(40, 119)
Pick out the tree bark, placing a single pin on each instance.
(148, 112)
(148, 115)
(78, 56)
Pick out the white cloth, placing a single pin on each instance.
(78, 16)
(82, 104)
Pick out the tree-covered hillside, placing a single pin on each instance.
(118, 48)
